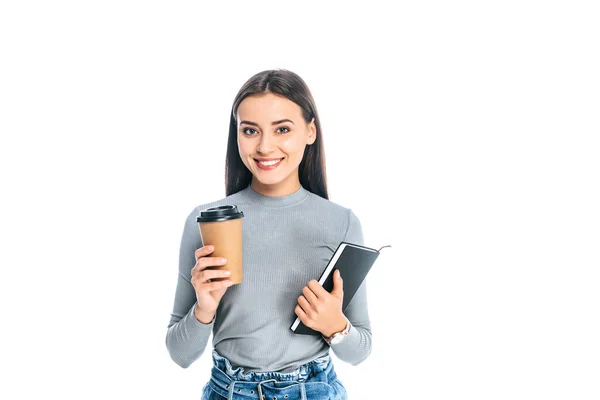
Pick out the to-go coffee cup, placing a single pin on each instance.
(221, 227)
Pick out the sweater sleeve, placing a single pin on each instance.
(356, 347)
(187, 337)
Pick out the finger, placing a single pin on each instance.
(317, 289)
(211, 261)
(208, 274)
(310, 295)
(301, 314)
(205, 262)
(202, 251)
(338, 284)
(209, 287)
(308, 310)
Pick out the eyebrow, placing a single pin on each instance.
(272, 123)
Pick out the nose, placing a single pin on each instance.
(265, 145)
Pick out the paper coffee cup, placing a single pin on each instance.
(221, 227)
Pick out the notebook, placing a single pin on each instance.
(354, 262)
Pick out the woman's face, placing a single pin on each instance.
(272, 127)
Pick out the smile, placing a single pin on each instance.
(268, 165)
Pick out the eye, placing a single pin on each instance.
(246, 129)
(284, 127)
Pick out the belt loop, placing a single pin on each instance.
(302, 391)
(260, 394)
(230, 394)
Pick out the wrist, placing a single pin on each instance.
(202, 316)
(339, 326)
(339, 336)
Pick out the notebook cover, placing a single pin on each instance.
(354, 263)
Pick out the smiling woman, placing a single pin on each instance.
(275, 146)
(274, 116)
(275, 173)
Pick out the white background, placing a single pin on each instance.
(464, 134)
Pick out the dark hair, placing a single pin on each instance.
(287, 84)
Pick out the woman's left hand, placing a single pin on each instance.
(321, 310)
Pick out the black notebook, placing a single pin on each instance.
(354, 262)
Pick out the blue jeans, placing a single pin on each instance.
(314, 380)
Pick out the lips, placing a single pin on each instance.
(268, 167)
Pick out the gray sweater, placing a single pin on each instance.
(287, 241)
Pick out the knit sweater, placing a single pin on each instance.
(287, 241)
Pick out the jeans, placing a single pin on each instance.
(314, 380)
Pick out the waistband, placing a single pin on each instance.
(260, 385)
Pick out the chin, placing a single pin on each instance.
(269, 182)
(270, 179)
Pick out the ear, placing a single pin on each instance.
(312, 132)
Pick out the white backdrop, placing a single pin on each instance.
(464, 135)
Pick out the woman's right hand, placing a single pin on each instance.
(208, 293)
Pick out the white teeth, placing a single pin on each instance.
(267, 163)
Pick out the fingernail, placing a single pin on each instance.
(227, 273)
(228, 283)
(223, 260)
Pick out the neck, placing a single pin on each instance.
(283, 189)
(275, 201)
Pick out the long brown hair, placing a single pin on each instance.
(286, 84)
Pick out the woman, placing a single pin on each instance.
(275, 174)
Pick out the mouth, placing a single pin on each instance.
(268, 165)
